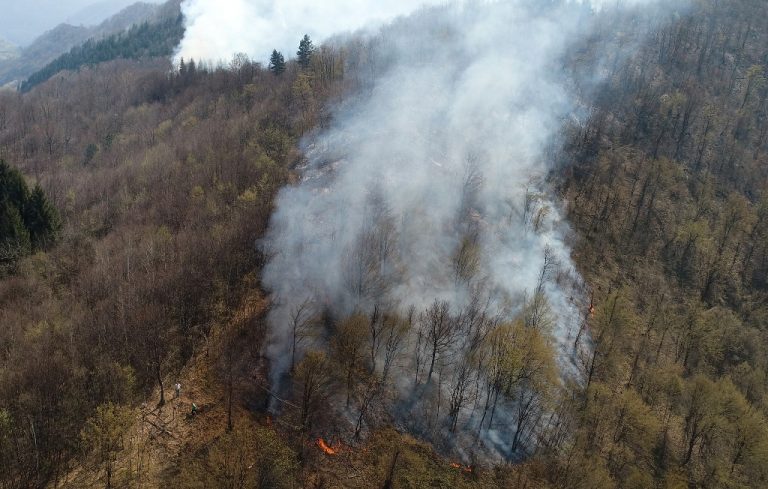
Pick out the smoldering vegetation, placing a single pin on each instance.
(423, 244)
(165, 179)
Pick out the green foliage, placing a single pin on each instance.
(312, 378)
(42, 219)
(305, 52)
(105, 435)
(667, 195)
(159, 238)
(256, 458)
(671, 212)
(28, 221)
(277, 63)
(140, 41)
(14, 236)
(13, 188)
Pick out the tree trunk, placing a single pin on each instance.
(432, 363)
(159, 377)
(229, 393)
(691, 445)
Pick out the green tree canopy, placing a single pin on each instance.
(306, 49)
(41, 219)
(277, 62)
(28, 221)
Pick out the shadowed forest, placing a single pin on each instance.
(135, 198)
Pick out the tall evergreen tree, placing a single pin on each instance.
(12, 186)
(41, 219)
(28, 221)
(277, 63)
(306, 49)
(14, 237)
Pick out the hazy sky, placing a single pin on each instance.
(216, 29)
(22, 21)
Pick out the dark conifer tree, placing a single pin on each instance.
(14, 237)
(12, 186)
(28, 221)
(182, 67)
(306, 49)
(277, 63)
(41, 219)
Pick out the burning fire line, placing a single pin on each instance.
(327, 449)
(467, 469)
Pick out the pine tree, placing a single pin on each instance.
(28, 221)
(306, 49)
(277, 63)
(14, 237)
(12, 186)
(41, 219)
(182, 67)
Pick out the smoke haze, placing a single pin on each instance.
(22, 22)
(431, 184)
(217, 29)
(448, 148)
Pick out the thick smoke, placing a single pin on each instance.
(218, 29)
(447, 152)
(432, 183)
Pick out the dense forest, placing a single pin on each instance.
(135, 263)
(60, 39)
(147, 40)
(27, 219)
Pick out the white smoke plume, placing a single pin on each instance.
(446, 151)
(448, 147)
(218, 29)
(432, 183)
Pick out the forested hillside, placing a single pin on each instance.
(140, 41)
(667, 189)
(64, 37)
(153, 190)
(27, 220)
(162, 183)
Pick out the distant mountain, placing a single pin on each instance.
(62, 38)
(96, 13)
(158, 39)
(22, 22)
(7, 50)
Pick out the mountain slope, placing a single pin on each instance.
(166, 181)
(98, 12)
(63, 37)
(7, 51)
(158, 39)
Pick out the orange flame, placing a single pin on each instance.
(327, 449)
(467, 469)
